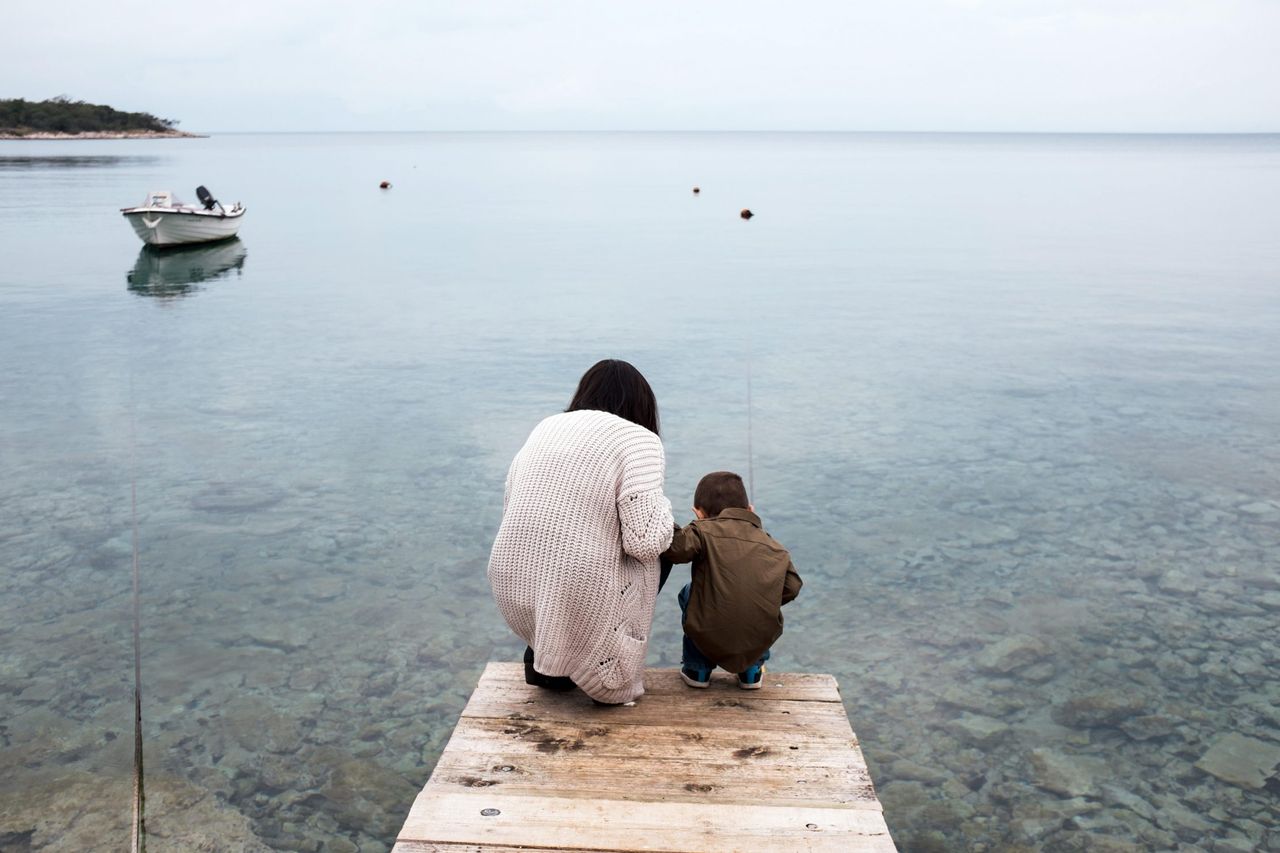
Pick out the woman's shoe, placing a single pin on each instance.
(537, 679)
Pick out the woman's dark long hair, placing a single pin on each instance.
(616, 387)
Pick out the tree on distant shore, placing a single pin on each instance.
(20, 117)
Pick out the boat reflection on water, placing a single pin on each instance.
(177, 272)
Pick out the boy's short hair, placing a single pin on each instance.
(718, 491)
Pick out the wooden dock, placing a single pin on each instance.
(696, 771)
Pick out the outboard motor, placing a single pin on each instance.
(206, 198)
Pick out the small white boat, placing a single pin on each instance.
(163, 220)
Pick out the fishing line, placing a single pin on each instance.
(138, 827)
(751, 467)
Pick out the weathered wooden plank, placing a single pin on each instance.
(576, 774)
(682, 743)
(580, 824)
(733, 711)
(450, 847)
(777, 685)
(682, 770)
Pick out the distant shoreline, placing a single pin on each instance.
(45, 136)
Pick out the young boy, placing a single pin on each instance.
(732, 607)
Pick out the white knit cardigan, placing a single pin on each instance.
(574, 568)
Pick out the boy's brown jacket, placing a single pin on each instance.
(741, 579)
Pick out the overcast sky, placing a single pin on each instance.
(231, 65)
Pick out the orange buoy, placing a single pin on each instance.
(386, 185)
(746, 213)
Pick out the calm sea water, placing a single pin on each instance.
(1015, 410)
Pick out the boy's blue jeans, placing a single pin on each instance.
(693, 657)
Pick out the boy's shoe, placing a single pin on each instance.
(752, 678)
(695, 677)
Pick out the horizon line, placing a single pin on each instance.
(806, 131)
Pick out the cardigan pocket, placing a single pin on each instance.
(627, 661)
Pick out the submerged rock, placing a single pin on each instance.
(368, 797)
(1032, 830)
(236, 497)
(1148, 726)
(947, 816)
(1068, 775)
(1260, 508)
(1177, 583)
(1040, 673)
(1122, 797)
(254, 725)
(979, 731)
(903, 796)
(1241, 760)
(1098, 710)
(84, 811)
(980, 702)
(1234, 844)
(325, 589)
(280, 636)
(1065, 809)
(1012, 653)
(1262, 580)
(906, 769)
(1268, 601)
(1097, 843)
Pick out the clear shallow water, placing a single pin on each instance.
(1015, 413)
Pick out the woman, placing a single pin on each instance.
(574, 568)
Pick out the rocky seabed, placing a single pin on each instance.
(1021, 679)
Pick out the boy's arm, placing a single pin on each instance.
(685, 545)
(791, 586)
